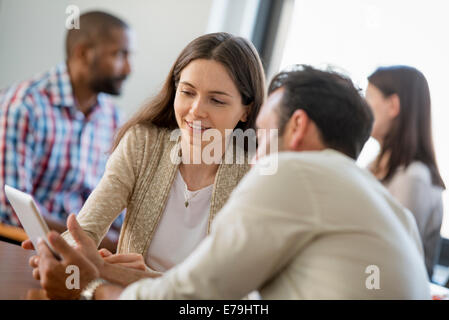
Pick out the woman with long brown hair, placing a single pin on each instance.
(217, 83)
(406, 164)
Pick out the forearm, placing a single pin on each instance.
(124, 276)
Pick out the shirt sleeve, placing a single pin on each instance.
(256, 234)
(112, 193)
(16, 154)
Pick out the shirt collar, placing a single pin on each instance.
(60, 87)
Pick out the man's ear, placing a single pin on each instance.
(296, 129)
(83, 53)
(395, 107)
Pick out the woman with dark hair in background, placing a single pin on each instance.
(406, 164)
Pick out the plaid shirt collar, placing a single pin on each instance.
(60, 87)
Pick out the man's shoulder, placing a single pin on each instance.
(300, 169)
(25, 93)
(327, 158)
(281, 167)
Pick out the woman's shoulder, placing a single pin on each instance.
(145, 129)
(412, 185)
(140, 141)
(417, 171)
(144, 133)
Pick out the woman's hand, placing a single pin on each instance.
(129, 260)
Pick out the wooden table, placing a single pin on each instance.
(13, 234)
(16, 280)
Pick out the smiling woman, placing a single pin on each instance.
(207, 99)
(217, 83)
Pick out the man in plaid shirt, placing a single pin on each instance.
(56, 130)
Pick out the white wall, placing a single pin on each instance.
(233, 16)
(32, 38)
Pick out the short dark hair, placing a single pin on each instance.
(94, 27)
(331, 101)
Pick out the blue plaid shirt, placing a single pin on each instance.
(50, 149)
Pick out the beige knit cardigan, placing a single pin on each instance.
(139, 175)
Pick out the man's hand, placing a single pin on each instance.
(52, 273)
(27, 245)
(34, 260)
(84, 244)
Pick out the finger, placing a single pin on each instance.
(43, 250)
(61, 246)
(119, 258)
(105, 252)
(78, 234)
(122, 258)
(27, 245)
(36, 274)
(34, 262)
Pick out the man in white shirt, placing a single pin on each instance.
(318, 228)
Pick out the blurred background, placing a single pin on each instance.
(354, 36)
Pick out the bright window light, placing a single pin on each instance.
(359, 36)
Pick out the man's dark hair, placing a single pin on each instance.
(331, 101)
(95, 26)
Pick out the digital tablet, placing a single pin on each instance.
(29, 216)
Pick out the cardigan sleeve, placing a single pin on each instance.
(115, 189)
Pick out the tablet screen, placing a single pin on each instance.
(29, 215)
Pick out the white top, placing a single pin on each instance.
(413, 188)
(180, 229)
(312, 230)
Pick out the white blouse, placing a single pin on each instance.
(180, 228)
